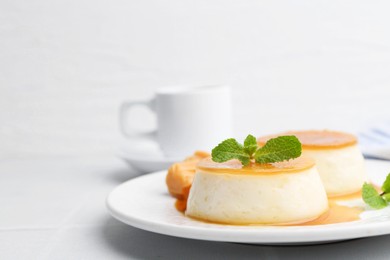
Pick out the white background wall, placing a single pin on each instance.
(66, 65)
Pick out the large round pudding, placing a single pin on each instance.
(278, 193)
(337, 156)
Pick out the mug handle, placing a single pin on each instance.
(126, 105)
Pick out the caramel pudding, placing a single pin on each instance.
(288, 192)
(337, 156)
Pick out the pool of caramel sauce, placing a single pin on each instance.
(335, 214)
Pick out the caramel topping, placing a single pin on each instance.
(336, 214)
(317, 139)
(235, 166)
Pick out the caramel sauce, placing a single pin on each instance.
(235, 166)
(181, 203)
(349, 196)
(335, 214)
(317, 139)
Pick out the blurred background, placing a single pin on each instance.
(65, 66)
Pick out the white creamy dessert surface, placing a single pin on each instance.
(337, 156)
(278, 197)
(342, 170)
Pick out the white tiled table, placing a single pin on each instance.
(54, 208)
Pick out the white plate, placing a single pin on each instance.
(144, 203)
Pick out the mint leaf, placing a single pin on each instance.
(386, 184)
(230, 149)
(279, 149)
(386, 197)
(371, 197)
(275, 150)
(250, 145)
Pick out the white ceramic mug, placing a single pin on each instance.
(188, 118)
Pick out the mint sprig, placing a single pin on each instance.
(277, 149)
(386, 184)
(250, 145)
(230, 149)
(372, 197)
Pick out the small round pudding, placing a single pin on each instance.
(337, 156)
(288, 192)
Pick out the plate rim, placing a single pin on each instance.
(258, 234)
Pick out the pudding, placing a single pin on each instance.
(289, 192)
(338, 159)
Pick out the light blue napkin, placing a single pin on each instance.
(375, 142)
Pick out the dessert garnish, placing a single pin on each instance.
(277, 149)
(375, 199)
